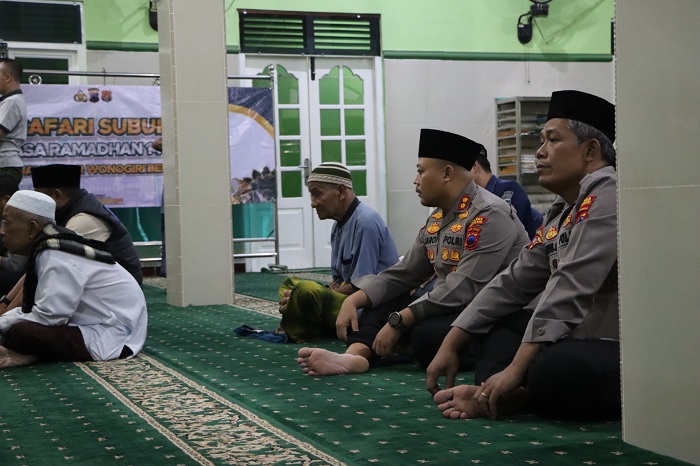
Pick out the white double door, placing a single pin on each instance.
(325, 111)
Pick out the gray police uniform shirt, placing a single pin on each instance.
(13, 120)
(572, 261)
(465, 247)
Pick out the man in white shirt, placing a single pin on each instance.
(79, 305)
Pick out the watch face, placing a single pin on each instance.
(394, 319)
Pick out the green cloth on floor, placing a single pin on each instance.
(311, 311)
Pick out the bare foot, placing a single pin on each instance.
(317, 361)
(458, 402)
(11, 358)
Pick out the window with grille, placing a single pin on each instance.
(41, 22)
(309, 33)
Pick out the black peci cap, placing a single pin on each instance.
(56, 176)
(436, 144)
(586, 108)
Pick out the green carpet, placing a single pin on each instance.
(201, 395)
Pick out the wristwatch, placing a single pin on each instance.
(5, 300)
(395, 320)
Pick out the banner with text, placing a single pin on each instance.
(110, 130)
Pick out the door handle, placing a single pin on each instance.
(306, 167)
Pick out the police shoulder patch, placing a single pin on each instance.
(478, 221)
(472, 239)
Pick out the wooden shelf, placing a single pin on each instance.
(519, 121)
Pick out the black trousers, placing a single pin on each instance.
(424, 337)
(497, 349)
(49, 343)
(568, 379)
(577, 380)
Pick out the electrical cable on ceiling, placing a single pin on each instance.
(540, 31)
(576, 19)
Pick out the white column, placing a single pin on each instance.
(658, 137)
(194, 100)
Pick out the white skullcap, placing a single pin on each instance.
(33, 202)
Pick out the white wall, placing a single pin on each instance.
(658, 137)
(122, 62)
(459, 96)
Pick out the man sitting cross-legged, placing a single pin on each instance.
(79, 305)
(469, 238)
(562, 359)
(361, 244)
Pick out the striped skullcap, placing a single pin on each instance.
(331, 172)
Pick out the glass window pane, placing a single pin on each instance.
(355, 152)
(359, 182)
(287, 87)
(331, 151)
(290, 153)
(329, 88)
(355, 122)
(289, 122)
(291, 184)
(352, 87)
(330, 122)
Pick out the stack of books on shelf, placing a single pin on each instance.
(527, 163)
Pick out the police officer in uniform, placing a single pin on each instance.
(470, 237)
(562, 359)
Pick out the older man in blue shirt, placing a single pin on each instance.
(361, 244)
